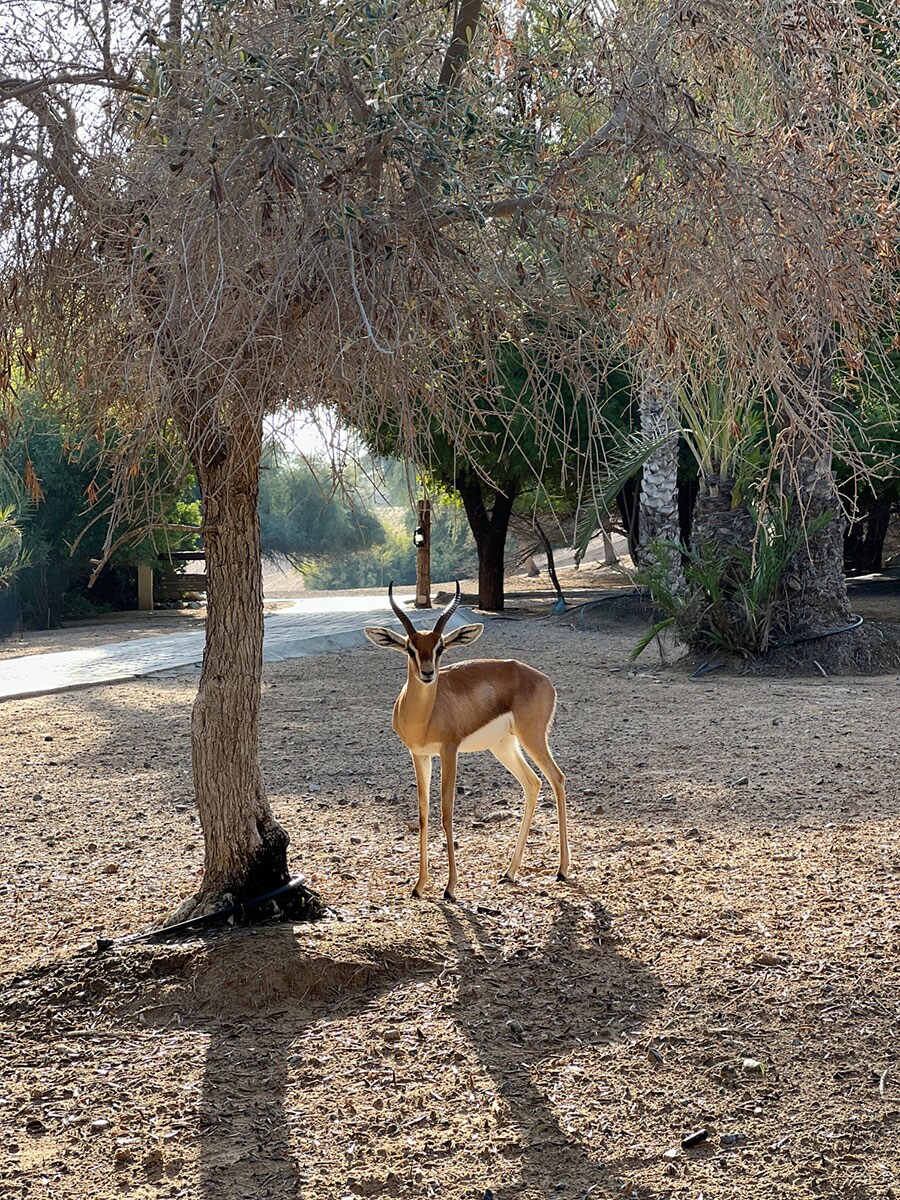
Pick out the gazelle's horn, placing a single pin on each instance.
(448, 612)
(404, 619)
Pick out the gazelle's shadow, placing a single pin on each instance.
(573, 993)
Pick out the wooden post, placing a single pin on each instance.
(423, 554)
(145, 588)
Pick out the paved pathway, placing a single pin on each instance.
(309, 626)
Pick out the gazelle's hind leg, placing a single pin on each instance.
(509, 753)
(539, 749)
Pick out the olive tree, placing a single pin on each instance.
(216, 208)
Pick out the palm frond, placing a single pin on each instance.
(653, 632)
(625, 459)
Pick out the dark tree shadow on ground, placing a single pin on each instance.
(247, 1133)
(574, 992)
(257, 994)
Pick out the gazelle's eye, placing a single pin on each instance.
(410, 652)
(438, 651)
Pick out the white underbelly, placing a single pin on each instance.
(484, 738)
(489, 735)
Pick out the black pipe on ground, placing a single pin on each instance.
(221, 914)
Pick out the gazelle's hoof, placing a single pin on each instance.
(560, 878)
(507, 879)
(448, 895)
(416, 894)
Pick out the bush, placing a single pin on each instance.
(13, 559)
(70, 485)
(301, 516)
(13, 555)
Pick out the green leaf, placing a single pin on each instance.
(653, 632)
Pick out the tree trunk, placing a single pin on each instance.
(489, 531)
(628, 504)
(423, 554)
(246, 849)
(818, 590)
(721, 613)
(659, 486)
(658, 520)
(717, 521)
(864, 539)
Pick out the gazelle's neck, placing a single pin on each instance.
(416, 702)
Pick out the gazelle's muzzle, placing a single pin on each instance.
(426, 668)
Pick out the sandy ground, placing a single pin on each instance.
(724, 958)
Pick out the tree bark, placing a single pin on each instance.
(717, 521)
(818, 590)
(719, 528)
(465, 28)
(246, 848)
(659, 485)
(658, 519)
(489, 530)
(628, 504)
(423, 554)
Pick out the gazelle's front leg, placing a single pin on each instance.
(422, 763)
(449, 756)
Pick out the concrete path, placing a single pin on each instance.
(309, 626)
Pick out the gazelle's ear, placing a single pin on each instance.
(385, 637)
(464, 636)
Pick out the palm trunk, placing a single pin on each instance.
(658, 516)
(818, 597)
(722, 537)
(717, 521)
(819, 591)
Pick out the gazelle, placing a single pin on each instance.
(484, 704)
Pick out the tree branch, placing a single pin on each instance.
(176, 14)
(464, 29)
(20, 89)
(622, 121)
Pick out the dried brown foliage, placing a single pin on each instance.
(246, 205)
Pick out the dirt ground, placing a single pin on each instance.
(724, 958)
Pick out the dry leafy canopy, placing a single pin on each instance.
(217, 209)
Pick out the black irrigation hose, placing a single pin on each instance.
(814, 637)
(220, 914)
(706, 667)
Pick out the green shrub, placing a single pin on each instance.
(735, 598)
(13, 555)
(302, 517)
(64, 520)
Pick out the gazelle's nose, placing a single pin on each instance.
(426, 674)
